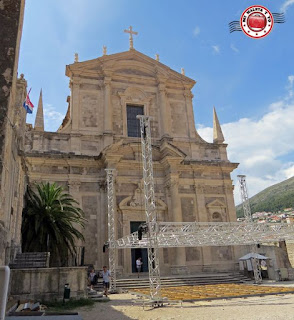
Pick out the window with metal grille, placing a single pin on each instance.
(132, 122)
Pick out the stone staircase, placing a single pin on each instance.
(173, 281)
(31, 260)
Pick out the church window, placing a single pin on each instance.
(132, 121)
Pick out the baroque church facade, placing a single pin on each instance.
(100, 131)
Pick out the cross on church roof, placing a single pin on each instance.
(131, 32)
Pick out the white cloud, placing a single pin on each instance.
(289, 172)
(291, 80)
(216, 49)
(286, 5)
(196, 31)
(232, 46)
(259, 145)
(290, 86)
(52, 118)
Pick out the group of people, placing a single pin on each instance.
(93, 278)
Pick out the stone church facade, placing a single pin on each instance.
(100, 130)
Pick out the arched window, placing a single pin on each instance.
(133, 123)
(216, 217)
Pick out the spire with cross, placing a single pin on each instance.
(131, 32)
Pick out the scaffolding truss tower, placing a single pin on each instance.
(150, 210)
(111, 203)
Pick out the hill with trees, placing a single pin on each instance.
(272, 199)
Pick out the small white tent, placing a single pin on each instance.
(252, 255)
(245, 261)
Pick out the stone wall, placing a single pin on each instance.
(47, 284)
(290, 250)
(11, 164)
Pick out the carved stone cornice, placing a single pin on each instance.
(75, 80)
(161, 87)
(228, 188)
(172, 182)
(107, 81)
(200, 188)
(74, 186)
(188, 94)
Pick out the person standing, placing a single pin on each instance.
(106, 279)
(139, 265)
(92, 279)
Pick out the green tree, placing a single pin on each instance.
(50, 222)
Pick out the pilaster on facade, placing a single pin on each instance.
(192, 133)
(75, 103)
(20, 113)
(108, 111)
(75, 143)
(74, 187)
(200, 200)
(165, 115)
(178, 266)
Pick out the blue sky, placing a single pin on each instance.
(250, 82)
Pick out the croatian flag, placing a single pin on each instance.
(28, 104)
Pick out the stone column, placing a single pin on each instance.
(202, 215)
(108, 112)
(190, 114)
(164, 111)
(74, 191)
(179, 262)
(75, 103)
(231, 215)
(231, 211)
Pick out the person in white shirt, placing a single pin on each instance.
(139, 265)
(106, 279)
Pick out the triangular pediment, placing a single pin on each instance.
(169, 150)
(216, 203)
(126, 63)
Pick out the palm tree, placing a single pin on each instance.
(50, 221)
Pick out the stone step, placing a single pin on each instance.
(31, 260)
(180, 281)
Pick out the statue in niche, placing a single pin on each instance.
(138, 198)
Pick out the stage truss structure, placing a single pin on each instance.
(201, 234)
(111, 204)
(249, 221)
(150, 210)
(185, 234)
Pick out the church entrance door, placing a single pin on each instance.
(137, 253)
